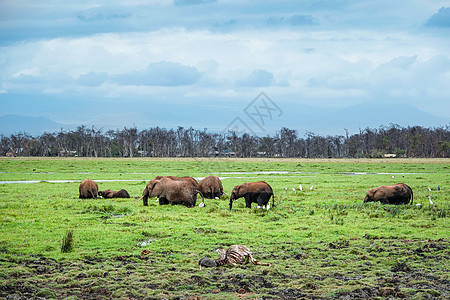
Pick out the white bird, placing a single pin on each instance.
(293, 189)
(393, 176)
(311, 188)
(285, 189)
(429, 189)
(431, 202)
(300, 187)
(419, 204)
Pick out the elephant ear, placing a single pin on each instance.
(243, 189)
(158, 188)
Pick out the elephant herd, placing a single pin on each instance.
(184, 190)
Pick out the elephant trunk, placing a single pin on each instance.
(232, 198)
(145, 197)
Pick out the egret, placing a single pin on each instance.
(300, 187)
(431, 202)
(429, 189)
(311, 188)
(293, 189)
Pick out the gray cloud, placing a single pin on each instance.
(440, 19)
(257, 78)
(161, 74)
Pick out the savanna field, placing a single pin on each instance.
(322, 242)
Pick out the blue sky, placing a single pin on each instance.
(201, 62)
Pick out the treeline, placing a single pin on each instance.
(85, 141)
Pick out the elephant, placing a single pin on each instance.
(171, 191)
(253, 192)
(88, 189)
(211, 187)
(398, 193)
(113, 194)
(184, 178)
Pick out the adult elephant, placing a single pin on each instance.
(253, 192)
(211, 187)
(398, 193)
(171, 191)
(113, 194)
(88, 189)
(184, 178)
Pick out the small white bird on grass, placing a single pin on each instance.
(311, 188)
(431, 202)
(293, 189)
(300, 187)
(429, 189)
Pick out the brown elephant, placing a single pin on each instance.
(88, 189)
(113, 194)
(253, 192)
(171, 191)
(398, 193)
(211, 187)
(184, 178)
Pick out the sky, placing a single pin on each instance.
(223, 64)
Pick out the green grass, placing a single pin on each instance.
(322, 243)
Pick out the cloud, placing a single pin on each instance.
(257, 78)
(440, 19)
(192, 2)
(161, 74)
(92, 79)
(294, 20)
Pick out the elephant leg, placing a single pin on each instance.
(263, 199)
(248, 201)
(163, 201)
(384, 201)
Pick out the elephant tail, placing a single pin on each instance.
(412, 196)
(273, 200)
(92, 194)
(201, 195)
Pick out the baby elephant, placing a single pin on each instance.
(253, 192)
(88, 189)
(398, 193)
(113, 194)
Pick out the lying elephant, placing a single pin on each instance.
(88, 189)
(171, 191)
(253, 192)
(211, 187)
(398, 193)
(113, 194)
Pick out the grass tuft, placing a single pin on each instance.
(67, 242)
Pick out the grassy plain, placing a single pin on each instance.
(322, 243)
